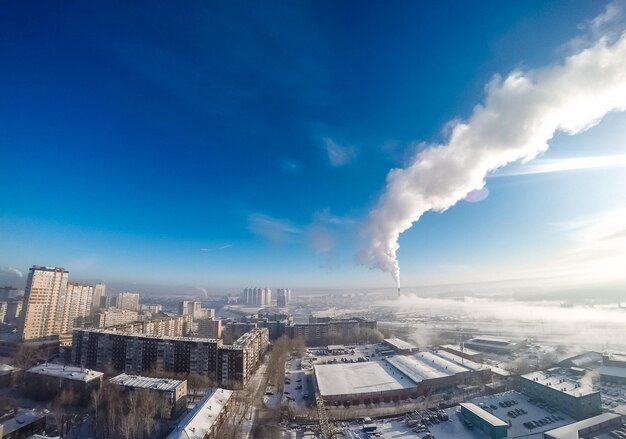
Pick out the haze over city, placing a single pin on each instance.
(313, 220)
(222, 145)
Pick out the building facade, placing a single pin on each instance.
(44, 287)
(99, 291)
(137, 353)
(114, 317)
(283, 297)
(172, 392)
(571, 397)
(257, 296)
(128, 301)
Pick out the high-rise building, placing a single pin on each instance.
(128, 301)
(194, 309)
(99, 292)
(257, 296)
(9, 293)
(283, 296)
(3, 311)
(77, 304)
(44, 287)
(209, 328)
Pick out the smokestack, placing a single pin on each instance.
(398, 291)
(520, 115)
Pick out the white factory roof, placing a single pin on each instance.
(469, 364)
(571, 431)
(491, 340)
(355, 378)
(200, 421)
(424, 366)
(484, 414)
(613, 371)
(617, 357)
(561, 383)
(458, 348)
(400, 344)
(66, 372)
(141, 382)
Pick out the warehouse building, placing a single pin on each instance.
(400, 346)
(463, 351)
(363, 383)
(495, 345)
(172, 392)
(570, 396)
(613, 368)
(393, 379)
(493, 426)
(588, 428)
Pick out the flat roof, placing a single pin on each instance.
(355, 378)
(491, 341)
(139, 335)
(473, 365)
(484, 414)
(400, 344)
(617, 357)
(424, 366)
(613, 371)
(561, 383)
(531, 412)
(200, 421)
(74, 373)
(22, 418)
(141, 382)
(458, 348)
(571, 431)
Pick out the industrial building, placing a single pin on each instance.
(204, 421)
(370, 382)
(463, 351)
(570, 396)
(613, 368)
(172, 392)
(588, 428)
(45, 381)
(395, 378)
(400, 346)
(495, 345)
(493, 426)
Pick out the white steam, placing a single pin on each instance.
(520, 115)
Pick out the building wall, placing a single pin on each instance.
(578, 407)
(44, 287)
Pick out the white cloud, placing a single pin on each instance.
(272, 229)
(338, 155)
(520, 115)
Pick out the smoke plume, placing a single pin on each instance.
(519, 116)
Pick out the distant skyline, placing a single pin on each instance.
(229, 144)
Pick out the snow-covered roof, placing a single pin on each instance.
(400, 344)
(198, 423)
(484, 414)
(73, 373)
(473, 365)
(561, 383)
(355, 378)
(425, 365)
(613, 371)
(571, 431)
(141, 382)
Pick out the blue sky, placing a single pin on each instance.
(229, 144)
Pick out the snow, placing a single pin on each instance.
(198, 423)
